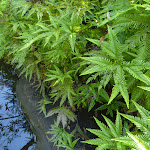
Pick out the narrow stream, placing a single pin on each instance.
(15, 132)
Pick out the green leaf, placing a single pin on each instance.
(119, 78)
(138, 122)
(115, 92)
(39, 37)
(97, 42)
(113, 41)
(72, 39)
(138, 142)
(145, 114)
(93, 69)
(103, 127)
(118, 124)
(144, 88)
(111, 126)
(95, 141)
(92, 104)
(136, 73)
(74, 142)
(98, 60)
(98, 133)
(104, 94)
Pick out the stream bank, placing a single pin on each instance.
(28, 98)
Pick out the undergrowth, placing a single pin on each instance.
(92, 55)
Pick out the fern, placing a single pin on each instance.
(114, 61)
(63, 114)
(62, 83)
(88, 95)
(47, 40)
(140, 140)
(106, 134)
(61, 138)
(137, 140)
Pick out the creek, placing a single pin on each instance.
(15, 132)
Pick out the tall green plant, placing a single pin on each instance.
(124, 139)
(106, 134)
(139, 139)
(111, 61)
(61, 138)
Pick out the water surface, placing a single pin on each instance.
(15, 132)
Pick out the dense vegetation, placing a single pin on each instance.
(91, 54)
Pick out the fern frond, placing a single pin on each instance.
(144, 88)
(136, 73)
(143, 112)
(140, 123)
(101, 61)
(111, 127)
(103, 127)
(118, 124)
(106, 135)
(63, 114)
(140, 144)
(115, 92)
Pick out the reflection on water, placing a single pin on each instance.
(15, 132)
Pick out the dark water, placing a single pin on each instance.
(15, 132)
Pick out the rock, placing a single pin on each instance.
(28, 99)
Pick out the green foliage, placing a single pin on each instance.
(4, 4)
(106, 134)
(111, 59)
(36, 36)
(42, 105)
(137, 139)
(63, 114)
(83, 53)
(88, 95)
(111, 107)
(62, 84)
(140, 140)
(61, 138)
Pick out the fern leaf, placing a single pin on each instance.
(119, 78)
(138, 122)
(118, 124)
(107, 49)
(97, 141)
(115, 92)
(72, 39)
(111, 126)
(53, 111)
(136, 93)
(124, 93)
(39, 37)
(98, 60)
(138, 141)
(91, 69)
(125, 140)
(114, 43)
(104, 94)
(144, 88)
(98, 133)
(136, 73)
(145, 114)
(97, 42)
(103, 128)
